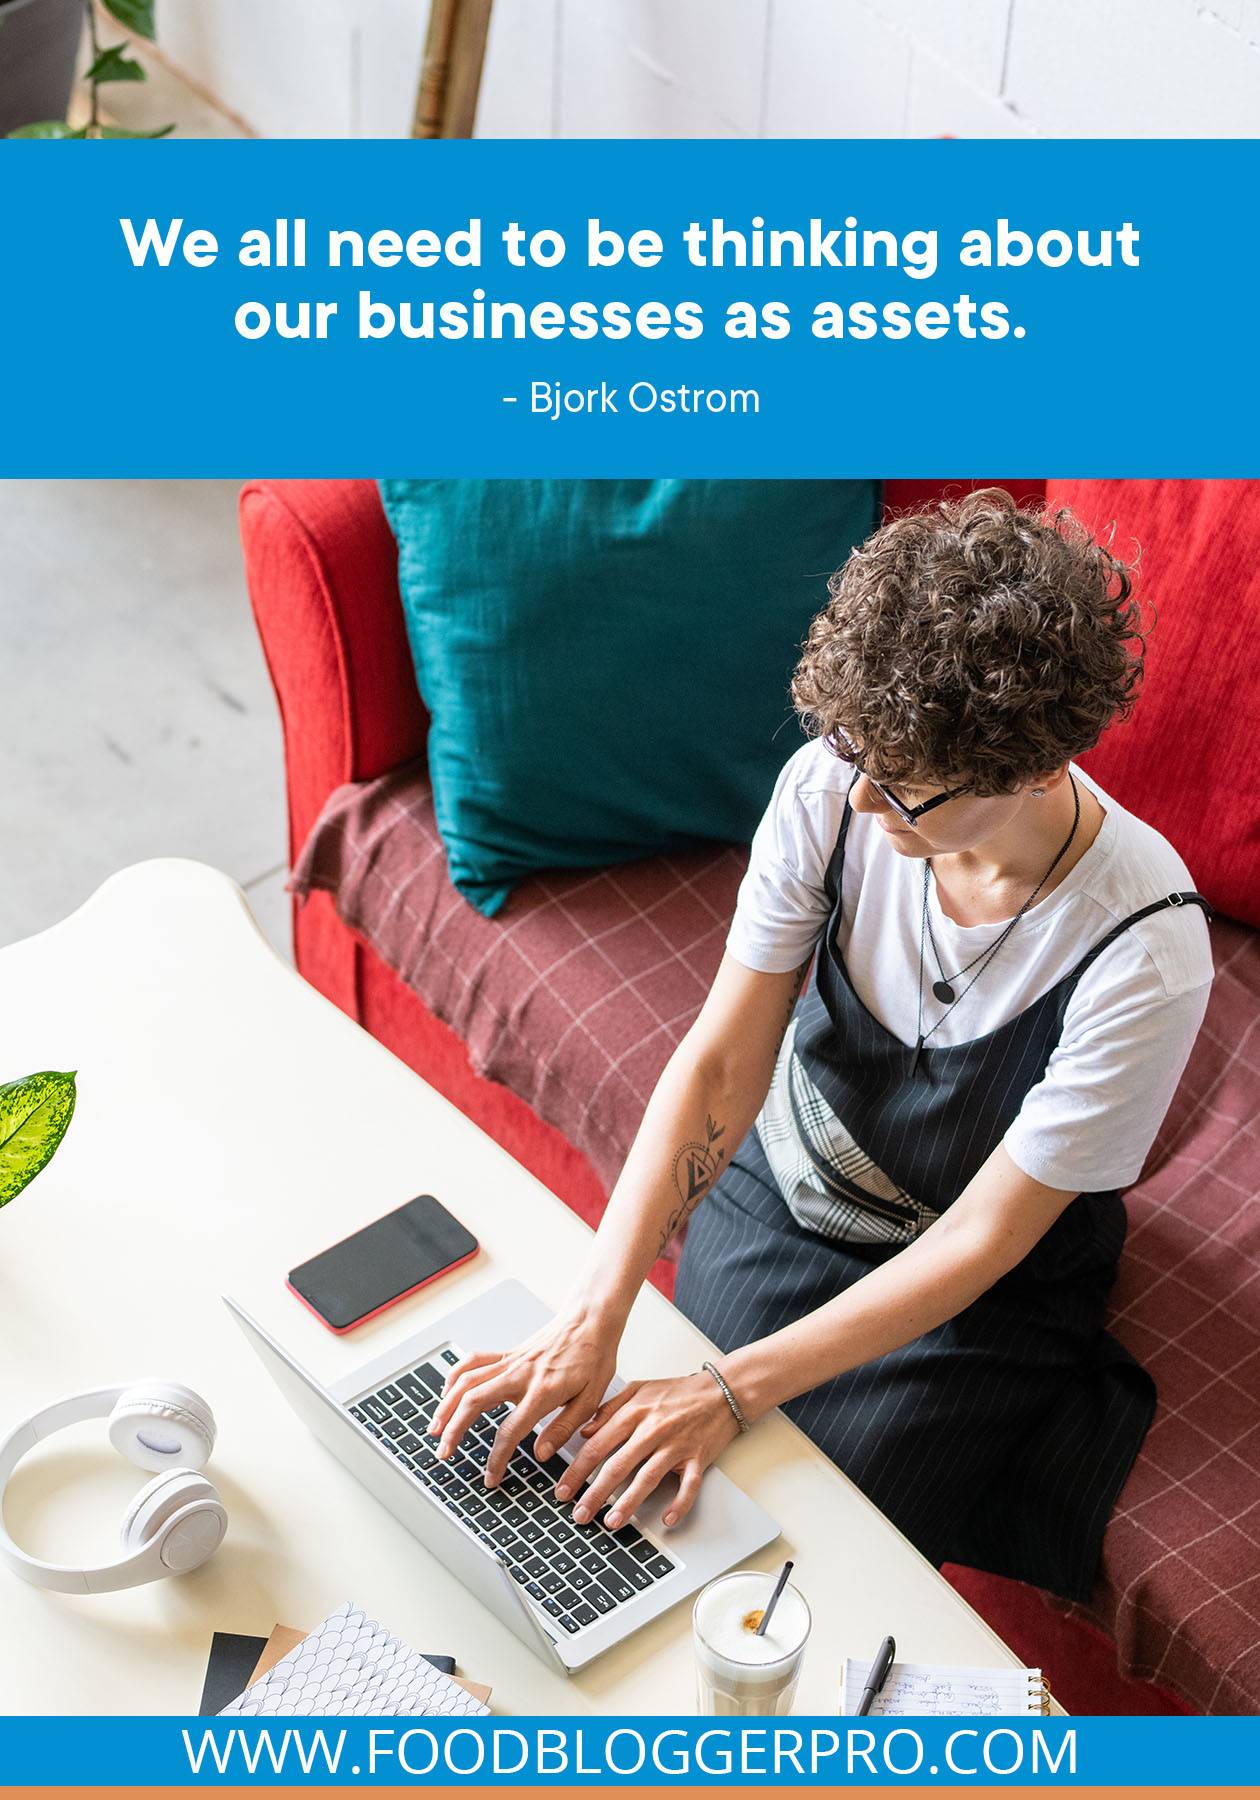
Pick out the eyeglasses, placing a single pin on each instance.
(848, 752)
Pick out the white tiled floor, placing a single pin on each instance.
(137, 717)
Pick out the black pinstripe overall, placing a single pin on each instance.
(1002, 1438)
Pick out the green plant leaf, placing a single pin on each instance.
(47, 128)
(116, 131)
(134, 15)
(34, 1114)
(115, 65)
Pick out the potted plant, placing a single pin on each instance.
(34, 1115)
(39, 44)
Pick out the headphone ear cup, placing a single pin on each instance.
(162, 1425)
(191, 1541)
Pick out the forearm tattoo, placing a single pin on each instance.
(696, 1168)
(698, 1165)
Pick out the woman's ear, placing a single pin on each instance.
(1041, 785)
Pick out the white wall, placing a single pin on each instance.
(745, 68)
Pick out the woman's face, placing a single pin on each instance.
(961, 823)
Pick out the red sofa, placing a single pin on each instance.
(548, 1024)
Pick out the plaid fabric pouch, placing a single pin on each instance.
(828, 1182)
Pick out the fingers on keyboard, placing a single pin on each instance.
(577, 1574)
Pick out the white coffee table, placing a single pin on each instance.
(230, 1121)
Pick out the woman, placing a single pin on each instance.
(910, 1250)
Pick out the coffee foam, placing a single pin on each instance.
(726, 1617)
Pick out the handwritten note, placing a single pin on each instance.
(932, 1692)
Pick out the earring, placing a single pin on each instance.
(1040, 793)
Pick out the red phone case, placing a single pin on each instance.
(341, 1330)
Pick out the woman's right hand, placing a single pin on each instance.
(568, 1364)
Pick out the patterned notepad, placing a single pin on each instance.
(351, 1664)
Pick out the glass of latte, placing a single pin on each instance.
(737, 1671)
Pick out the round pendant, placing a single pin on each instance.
(944, 992)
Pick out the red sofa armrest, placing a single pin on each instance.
(322, 571)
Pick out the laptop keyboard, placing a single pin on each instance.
(573, 1573)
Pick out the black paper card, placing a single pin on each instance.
(232, 1661)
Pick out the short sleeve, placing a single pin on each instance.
(1089, 1123)
(782, 907)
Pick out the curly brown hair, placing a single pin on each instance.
(973, 643)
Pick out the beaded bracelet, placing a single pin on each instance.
(731, 1401)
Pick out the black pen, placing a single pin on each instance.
(877, 1677)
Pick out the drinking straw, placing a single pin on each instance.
(779, 1586)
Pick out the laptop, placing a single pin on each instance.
(569, 1591)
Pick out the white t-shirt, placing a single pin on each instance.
(1089, 1122)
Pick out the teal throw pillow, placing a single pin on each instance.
(606, 663)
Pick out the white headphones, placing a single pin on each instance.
(174, 1523)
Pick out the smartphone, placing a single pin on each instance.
(383, 1263)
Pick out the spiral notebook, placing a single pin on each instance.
(932, 1690)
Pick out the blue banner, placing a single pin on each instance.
(687, 1753)
(650, 308)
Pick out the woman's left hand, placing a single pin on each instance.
(649, 1430)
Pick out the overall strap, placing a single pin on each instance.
(1143, 912)
(835, 866)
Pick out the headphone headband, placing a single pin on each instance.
(98, 1403)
